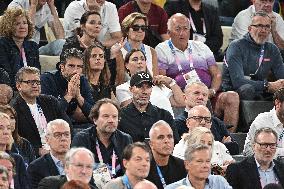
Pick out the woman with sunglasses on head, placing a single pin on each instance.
(133, 28)
(16, 50)
(97, 72)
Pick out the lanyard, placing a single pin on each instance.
(281, 135)
(129, 48)
(23, 55)
(126, 182)
(161, 177)
(190, 59)
(193, 25)
(113, 160)
(260, 59)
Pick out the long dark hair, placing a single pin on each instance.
(104, 78)
(84, 19)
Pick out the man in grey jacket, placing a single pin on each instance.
(250, 60)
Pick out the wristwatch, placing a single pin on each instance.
(266, 85)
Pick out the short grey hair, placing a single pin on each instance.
(171, 20)
(55, 122)
(264, 130)
(188, 154)
(158, 123)
(195, 83)
(73, 151)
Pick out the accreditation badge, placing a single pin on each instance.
(101, 175)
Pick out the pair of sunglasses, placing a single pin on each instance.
(137, 27)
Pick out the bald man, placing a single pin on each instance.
(163, 164)
(145, 184)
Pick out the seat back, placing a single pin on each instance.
(240, 139)
(226, 36)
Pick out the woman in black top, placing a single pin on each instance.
(97, 72)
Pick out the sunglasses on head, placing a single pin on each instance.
(137, 27)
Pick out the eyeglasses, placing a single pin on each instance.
(265, 27)
(31, 82)
(82, 166)
(200, 119)
(137, 27)
(265, 145)
(59, 135)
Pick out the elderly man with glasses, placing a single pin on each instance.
(258, 170)
(273, 119)
(196, 94)
(250, 62)
(58, 137)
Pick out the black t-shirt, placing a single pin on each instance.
(173, 172)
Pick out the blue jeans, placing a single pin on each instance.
(53, 48)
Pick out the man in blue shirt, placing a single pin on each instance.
(197, 162)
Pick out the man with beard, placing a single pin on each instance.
(250, 60)
(163, 164)
(58, 137)
(70, 87)
(138, 117)
(260, 169)
(273, 119)
(242, 22)
(104, 140)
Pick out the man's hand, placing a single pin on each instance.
(273, 22)
(226, 139)
(161, 79)
(274, 86)
(33, 3)
(50, 3)
(73, 86)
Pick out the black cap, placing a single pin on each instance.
(141, 77)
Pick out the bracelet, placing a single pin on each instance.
(172, 83)
(265, 85)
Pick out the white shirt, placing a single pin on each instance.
(148, 54)
(109, 18)
(220, 154)
(160, 97)
(42, 16)
(243, 20)
(40, 121)
(266, 119)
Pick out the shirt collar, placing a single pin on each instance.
(188, 183)
(54, 159)
(275, 121)
(149, 110)
(272, 164)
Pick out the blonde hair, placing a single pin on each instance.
(194, 137)
(8, 20)
(129, 20)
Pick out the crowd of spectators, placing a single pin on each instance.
(142, 95)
